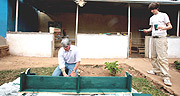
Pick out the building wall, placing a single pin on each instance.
(31, 44)
(67, 20)
(43, 21)
(3, 17)
(173, 47)
(98, 23)
(95, 23)
(102, 46)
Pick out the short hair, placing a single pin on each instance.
(154, 5)
(65, 42)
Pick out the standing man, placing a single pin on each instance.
(68, 58)
(159, 23)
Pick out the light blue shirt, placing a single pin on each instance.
(70, 57)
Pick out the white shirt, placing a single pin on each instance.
(71, 56)
(161, 19)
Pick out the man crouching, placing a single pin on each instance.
(68, 58)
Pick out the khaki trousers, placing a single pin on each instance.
(159, 57)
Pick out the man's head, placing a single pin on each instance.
(66, 44)
(154, 7)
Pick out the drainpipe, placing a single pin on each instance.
(17, 9)
(178, 23)
(129, 15)
(77, 14)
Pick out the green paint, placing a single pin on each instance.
(138, 94)
(34, 83)
(78, 83)
(49, 82)
(22, 81)
(129, 79)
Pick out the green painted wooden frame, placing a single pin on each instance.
(29, 82)
(140, 94)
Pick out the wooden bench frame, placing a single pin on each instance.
(32, 83)
(29, 82)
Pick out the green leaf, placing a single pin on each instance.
(113, 67)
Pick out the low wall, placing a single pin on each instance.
(30, 44)
(102, 46)
(173, 47)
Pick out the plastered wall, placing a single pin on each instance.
(102, 46)
(30, 44)
(173, 47)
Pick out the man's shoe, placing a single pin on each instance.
(151, 72)
(167, 82)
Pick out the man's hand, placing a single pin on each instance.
(72, 74)
(169, 26)
(65, 75)
(148, 30)
(145, 30)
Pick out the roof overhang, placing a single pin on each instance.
(55, 6)
(164, 2)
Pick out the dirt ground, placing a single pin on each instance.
(95, 67)
(17, 62)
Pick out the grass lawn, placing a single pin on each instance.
(139, 84)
